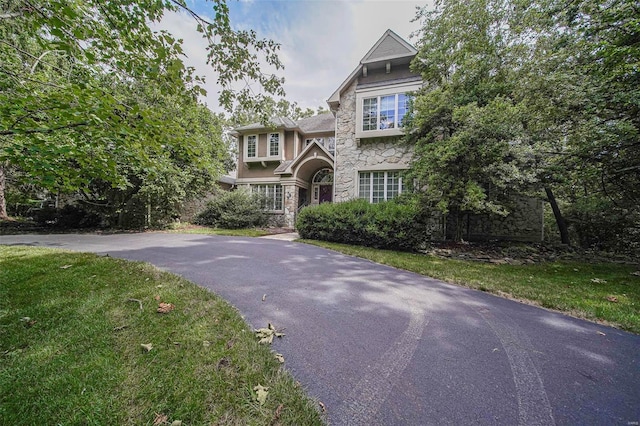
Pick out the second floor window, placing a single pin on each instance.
(384, 112)
(274, 144)
(251, 146)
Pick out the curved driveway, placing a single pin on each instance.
(380, 346)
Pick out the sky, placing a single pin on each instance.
(322, 42)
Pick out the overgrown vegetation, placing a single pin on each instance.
(595, 291)
(234, 210)
(96, 103)
(539, 98)
(81, 342)
(398, 224)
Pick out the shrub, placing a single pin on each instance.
(398, 224)
(69, 217)
(234, 210)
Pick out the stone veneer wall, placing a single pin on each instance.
(524, 223)
(372, 154)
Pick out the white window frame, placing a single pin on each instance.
(274, 191)
(378, 93)
(269, 144)
(369, 196)
(246, 147)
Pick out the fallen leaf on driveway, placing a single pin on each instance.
(261, 393)
(266, 335)
(601, 333)
(323, 408)
(280, 358)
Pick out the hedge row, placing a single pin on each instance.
(393, 224)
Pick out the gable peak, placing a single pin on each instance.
(389, 46)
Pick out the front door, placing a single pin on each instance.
(326, 194)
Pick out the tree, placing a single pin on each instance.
(60, 120)
(546, 88)
(466, 123)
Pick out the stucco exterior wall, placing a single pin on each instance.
(371, 154)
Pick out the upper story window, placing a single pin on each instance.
(274, 144)
(252, 144)
(381, 110)
(384, 112)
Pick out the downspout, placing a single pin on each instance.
(335, 157)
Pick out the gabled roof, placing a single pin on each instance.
(277, 122)
(287, 166)
(390, 47)
(318, 123)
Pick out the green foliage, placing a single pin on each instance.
(72, 331)
(234, 210)
(393, 224)
(522, 96)
(91, 96)
(69, 217)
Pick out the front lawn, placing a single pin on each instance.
(81, 342)
(604, 292)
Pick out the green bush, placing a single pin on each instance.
(234, 210)
(398, 224)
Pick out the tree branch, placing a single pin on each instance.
(41, 131)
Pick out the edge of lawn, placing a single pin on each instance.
(604, 293)
(72, 330)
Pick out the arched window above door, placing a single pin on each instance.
(323, 176)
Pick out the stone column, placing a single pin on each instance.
(290, 205)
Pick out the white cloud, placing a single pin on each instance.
(321, 41)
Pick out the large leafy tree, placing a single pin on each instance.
(66, 65)
(466, 123)
(566, 76)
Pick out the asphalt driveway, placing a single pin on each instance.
(380, 346)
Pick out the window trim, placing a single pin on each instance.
(268, 156)
(246, 146)
(378, 93)
(256, 187)
(386, 172)
(269, 144)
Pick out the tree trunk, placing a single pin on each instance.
(562, 225)
(3, 187)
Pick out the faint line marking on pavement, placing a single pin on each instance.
(363, 402)
(533, 404)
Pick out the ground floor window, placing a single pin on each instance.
(379, 186)
(272, 193)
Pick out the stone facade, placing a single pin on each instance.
(524, 223)
(353, 155)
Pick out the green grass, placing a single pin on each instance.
(207, 230)
(70, 348)
(578, 289)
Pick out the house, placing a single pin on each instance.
(352, 151)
